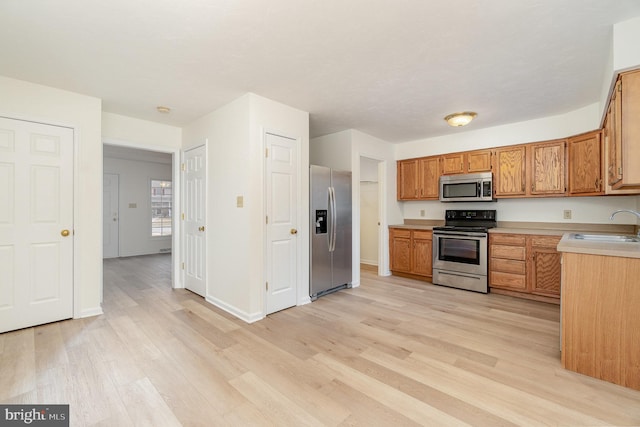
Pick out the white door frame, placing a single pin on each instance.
(383, 247)
(117, 214)
(176, 232)
(302, 296)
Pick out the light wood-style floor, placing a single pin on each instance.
(393, 352)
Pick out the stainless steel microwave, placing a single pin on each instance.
(472, 187)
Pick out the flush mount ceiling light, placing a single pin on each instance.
(162, 109)
(460, 119)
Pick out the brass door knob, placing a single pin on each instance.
(294, 231)
(201, 228)
(64, 233)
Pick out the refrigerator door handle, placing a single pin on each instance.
(332, 223)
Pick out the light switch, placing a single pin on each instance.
(133, 205)
(240, 201)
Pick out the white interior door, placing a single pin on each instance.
(194, 197)
(110, 216)
(36, 224)
(282, 226)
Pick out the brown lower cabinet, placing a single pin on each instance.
(410, 252)
(525, 265)
(600, 321)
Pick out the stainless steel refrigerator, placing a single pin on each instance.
(330, 231)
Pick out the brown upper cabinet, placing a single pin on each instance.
(429, 177)
(510, 171)
(530, 170)
(622, 133)
(586, 166)
(548, 168)
(407, 179)
(466, 162)
(418, 179)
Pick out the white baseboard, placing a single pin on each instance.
(89, 312)
(240, 314)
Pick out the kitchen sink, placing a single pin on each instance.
(607, 238)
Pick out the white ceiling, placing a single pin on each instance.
(390, 68)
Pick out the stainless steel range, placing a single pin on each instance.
(460, 249)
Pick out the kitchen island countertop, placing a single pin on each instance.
(618, 249)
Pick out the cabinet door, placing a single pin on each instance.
(422, 253)
(629, 135)
(548, 168)
(479, 161)
(510, 171)
(407, 179)
(453, 163)
(544, 265)
(612, 128)
(400, 250)
(429, 177)
(585, 164)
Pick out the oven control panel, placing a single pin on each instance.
(471, 214)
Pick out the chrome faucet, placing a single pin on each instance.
(626, 210)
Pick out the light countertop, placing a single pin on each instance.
(413, 227)
(618, 249)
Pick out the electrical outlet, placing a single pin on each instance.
(567, 214)
(421, 212)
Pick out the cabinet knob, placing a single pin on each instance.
(201, 228)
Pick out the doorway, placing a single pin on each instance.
(369, 213)
(148, 191)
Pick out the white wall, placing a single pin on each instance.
(332, 151)
(234, 135)
(589, 210)
(390, 211)
(626, 36)
(560, 126)
(140, 133)
(23, 100)
(135, 223)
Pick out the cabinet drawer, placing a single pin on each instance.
(507, 266)
(400, 232)
(546, 241)
(508, 280)
(508, 239)
(421, 234)
(508, 252)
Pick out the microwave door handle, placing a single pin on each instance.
(479, 189)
